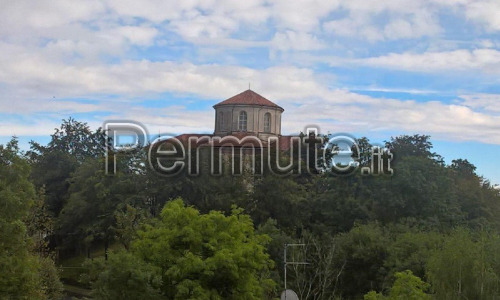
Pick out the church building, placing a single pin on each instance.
(247, 114)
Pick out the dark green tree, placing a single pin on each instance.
(95, 199)
(412, 145)
(53, 164)
(123, 276)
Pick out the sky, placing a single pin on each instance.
(365, 67)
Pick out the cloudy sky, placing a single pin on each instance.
(367, 67)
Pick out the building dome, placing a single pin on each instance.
(248, 113)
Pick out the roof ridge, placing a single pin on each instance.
(248, 97)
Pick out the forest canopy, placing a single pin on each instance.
(431, 227)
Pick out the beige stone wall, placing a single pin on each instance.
(255, 119)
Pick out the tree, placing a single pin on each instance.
(466, 267)
(412, 145)
(208, 256)
(16, 194)
(95, 199)
(406, 287)
(319, 279)
(77, 139)
(363, 250)
(39, 224)
(123, 276)
(365, 151)
(128, 220)
(463, 167)
(23, 275)
(281, 198)
(50, 171)
(52, 165)
(420, 189)
(411, 249)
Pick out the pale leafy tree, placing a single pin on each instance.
(319, 278)
(406, 287)
(467, 266)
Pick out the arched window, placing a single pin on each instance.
(221, 121)
(242, 121)
(267, 122)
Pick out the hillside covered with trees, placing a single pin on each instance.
(430, 231)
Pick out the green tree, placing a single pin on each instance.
(478, 200)
(365, 153)
(363, 250)
(95, 200)
(128, 220)
(420, 189)
(23, 275)
(123, 276)
(281, 198)
(406, 287)
(208, 256)
(412, 145)
(463, 167)
(52, 165)
(466, 267)
(40, 224)
(410, 249)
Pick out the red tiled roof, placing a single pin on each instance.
(183, 138)
(248, 97)
(284, 142)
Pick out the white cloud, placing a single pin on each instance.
(32, 75)
(302, 16)
(487, 60)
(485, 12)
(94, 27)
(56, 48)
(300, 91)
(43, 127)
(138, 35)
(386, 20)
(488, 103)
(423, 24)
(46, 13)
(170, 119)
(291, 40)
(454, 122)
(352, 27)
(13, 105)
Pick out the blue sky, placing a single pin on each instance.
(370, 68)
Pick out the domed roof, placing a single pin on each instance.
(248, 97)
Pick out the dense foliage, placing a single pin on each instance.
(188, 255)
(429, 231)
(25, 274)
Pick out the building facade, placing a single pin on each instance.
(248, 113)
